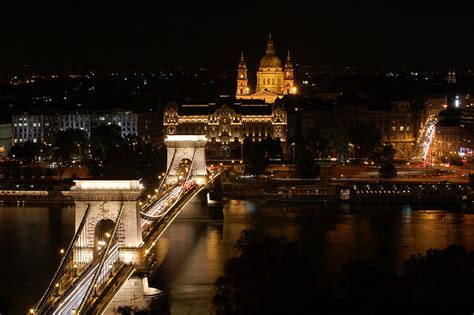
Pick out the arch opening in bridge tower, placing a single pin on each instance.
(184, 168)
(102, 233)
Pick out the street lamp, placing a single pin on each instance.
(293, 151)
(241, 150)
(79, 147)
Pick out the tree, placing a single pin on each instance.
(272, 147)
(49, 172)
(306, 167)
(369, 288)
(27, 172)
(26, 151)
(254, 157)
(440, 280)
(385, 153)
(104, 140)
(68, 144)
(37, 171)
(15, 170)
(387, 171)
(317, 142)
(365, 139)
(456, 159)
(127, 158)
(270, 276)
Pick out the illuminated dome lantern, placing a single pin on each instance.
(270, 60)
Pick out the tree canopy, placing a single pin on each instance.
(387, 171)
(268, 277)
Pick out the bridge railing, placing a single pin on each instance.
(67, 269)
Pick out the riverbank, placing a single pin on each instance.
(22, 197)
(351, 191)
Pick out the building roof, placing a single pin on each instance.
(449, 122)
(254, 109)
(241, 107)
(193, 110)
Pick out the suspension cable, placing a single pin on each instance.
(65, 258)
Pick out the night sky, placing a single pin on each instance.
(137, 37)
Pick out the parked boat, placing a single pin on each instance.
(304, 193)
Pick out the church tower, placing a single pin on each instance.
(451, 76)
(451, 95)
(242, 82)
(288, 75)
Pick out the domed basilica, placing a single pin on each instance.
(273, 80)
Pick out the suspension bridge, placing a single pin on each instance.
(104, 265)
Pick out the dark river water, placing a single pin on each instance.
(194, 248)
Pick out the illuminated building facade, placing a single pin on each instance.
(273, 80)
(227, 123)
(395, 121)
(41, 128)
(454, 132)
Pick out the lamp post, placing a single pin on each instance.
(293, 152)
(241, 150)
(79, 147)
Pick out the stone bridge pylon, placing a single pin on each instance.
(103, 200)
(184, 152)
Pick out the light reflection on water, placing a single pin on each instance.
(332, 234)
(193, 250)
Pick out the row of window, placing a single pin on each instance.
(26, 124)
(402, 128)
(270, 82)
(35, 140)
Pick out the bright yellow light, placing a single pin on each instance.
(61, 251)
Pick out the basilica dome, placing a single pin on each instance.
(270, 60)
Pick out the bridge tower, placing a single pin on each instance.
(105, 199)
(186, 151)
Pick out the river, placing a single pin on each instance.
(193, 250)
